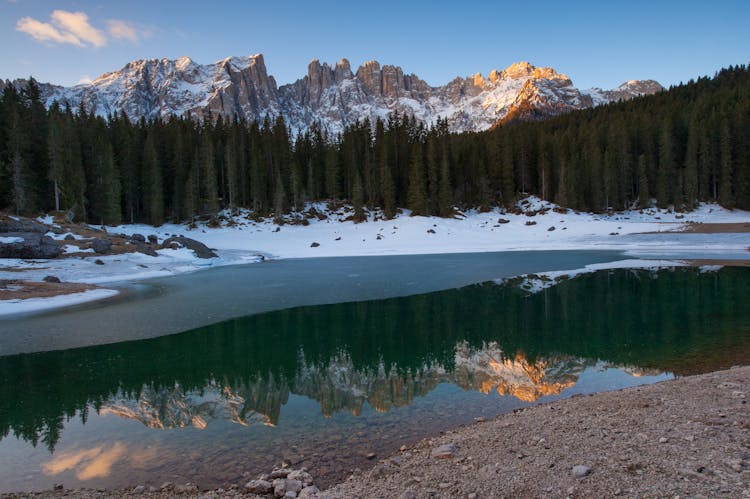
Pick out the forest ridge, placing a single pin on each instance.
(675, 148)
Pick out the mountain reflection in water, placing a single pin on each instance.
(385, 353)
(338, 386)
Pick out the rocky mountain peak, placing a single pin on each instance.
(332, 95)
(518, 70)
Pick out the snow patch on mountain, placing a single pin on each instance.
(332, 96)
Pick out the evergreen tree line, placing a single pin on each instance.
(675, 148)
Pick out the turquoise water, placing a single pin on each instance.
(324, 385)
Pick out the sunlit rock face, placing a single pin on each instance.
(332, 96)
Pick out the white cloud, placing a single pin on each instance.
(77, 23)
(122, 30)
(45, 32)
(74, 28)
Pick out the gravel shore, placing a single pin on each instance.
(685, 437)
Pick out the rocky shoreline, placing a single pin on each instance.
(685, 437)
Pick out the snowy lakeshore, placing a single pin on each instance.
(319, 231)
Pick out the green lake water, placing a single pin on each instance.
(324, 385)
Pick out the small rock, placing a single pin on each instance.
(185, 489)
(402, 448)
(138, 237)
(301, 475)
(444, 485)
(280, 473)
(140, 489)
(551, 228)
(98, 262)
(166, 486)
(503, 221)
(258, 487)
(308, 492)
(430, 231)
(735, 464)
(370, 455)
(473, 495)
(51, 278)
(293, 485)
(580, 471)
(290, 494)
(663, 440)
(279, 487)
(445, 451)
(314, 245)
(530, 222)
(480, 419)
(153, 239)
(338, 239)
(57, 486)
(70, 237)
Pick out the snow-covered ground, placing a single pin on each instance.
(475, 232)
(8, 307)
(240, 238)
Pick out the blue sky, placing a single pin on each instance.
(595, 43)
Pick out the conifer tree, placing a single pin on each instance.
(417, 195)
(154, 192)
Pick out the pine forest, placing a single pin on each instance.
(688, 144)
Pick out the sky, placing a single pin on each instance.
(598, 44)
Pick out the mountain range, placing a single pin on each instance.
(331, 96)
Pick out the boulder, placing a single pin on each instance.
(101, 246)
(200, 249)
(51, 278)
(31, 245)
(145, 249)
(22, 225)
(138, 238)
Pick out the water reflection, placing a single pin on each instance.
(339, 386)
(87, 463)
(494, 339)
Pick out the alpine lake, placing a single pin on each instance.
(220, 375)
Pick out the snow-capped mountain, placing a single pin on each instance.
(332, 96)
(628, 90)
